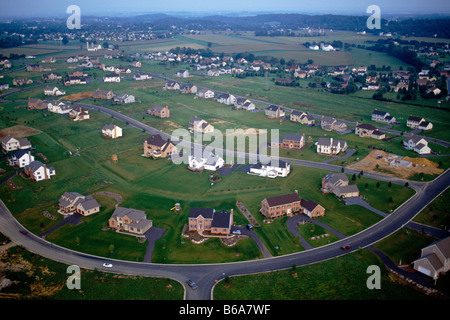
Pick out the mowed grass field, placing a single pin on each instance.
(154, 186)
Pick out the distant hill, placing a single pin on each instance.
(426, 27)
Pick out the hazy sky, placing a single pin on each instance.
(35, 8)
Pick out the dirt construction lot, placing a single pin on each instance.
(406, 166)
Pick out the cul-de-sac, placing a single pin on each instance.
(339, 156)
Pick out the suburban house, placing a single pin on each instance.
(103, 94)
(207, 221)
(330, 146)
(382, 116)
(34, 103)
(368, 131)
(210, 163)
(288, 205)
(20, 158)
(312, 209)
(4, 86)
(245, 104)
(226, 98)
(197, 125)
(279, 206)
(171, 85)
(205, 94)
(271, 170)
(417, 144)
(301, 117)
(124, 98)
(71, 202)
(53, 91)
(337, 183)
(10, 144)
(38, 171)
(182, 74)
(290, 141)
(59, 107)
(79, 114)
(142, 76)
(274, 111)
(159, 111)
(111, 78)
(51, 76)
(136, 64)
(434, 259)
(111, 131)
(156, 147)
(130, 220)
(418, 123)
(331, 124)
(188, 88)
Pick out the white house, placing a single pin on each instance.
(142, 76)
(10, 144)
(124, 98)
(93, 47)
(111, 131)
(210, 163)
(53, 91)
(205, 94)
(326, 47)
(213, 73)
(417, 144)
(330, 146)
(71, 202)
(382, 116)
(38, 171)
(182, 74)
(226, 98)
(418, 123)
(20, 158)
(59, 107)
(111, 78)
(271, 170)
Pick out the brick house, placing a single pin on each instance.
(279, 206)
(159, 111)
(209, 221)
(103, 94)
(312, 209)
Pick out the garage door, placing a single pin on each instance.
(424, 271)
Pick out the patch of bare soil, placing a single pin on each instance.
(19, 132)
(380, 161)
(79, 95)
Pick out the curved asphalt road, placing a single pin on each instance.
(205, 275)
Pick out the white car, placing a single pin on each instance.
(107, 265)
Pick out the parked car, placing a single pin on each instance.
(192, 284)
(250, 227)
(107, 265)
(236, 232)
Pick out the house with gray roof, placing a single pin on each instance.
(129, 220)
(38, 171)
(330, 146)
(338, 184)
(434, 259)
(71, 202)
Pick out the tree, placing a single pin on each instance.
(65, 40)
